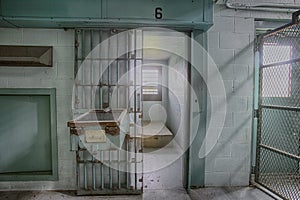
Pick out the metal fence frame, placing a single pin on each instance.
(287, 187)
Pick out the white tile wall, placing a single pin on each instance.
(60, 76)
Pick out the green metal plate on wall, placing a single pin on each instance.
(28, 147)
(195, 14)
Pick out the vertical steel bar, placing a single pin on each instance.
(257, 170)
(78, 170)
(127, 72)
(255, 103)
(108, 71)
(91, 70)
(141, 110)
(85, 174)
(100, 71)
(117, 83)
(127, 163)
(93, 173)
(135, 113)
(119, 181)
(101, 169)
(76, 66)
(82, 71)
(110, 170)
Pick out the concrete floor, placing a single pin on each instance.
(226, 193)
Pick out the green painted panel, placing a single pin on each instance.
(170, 9)
(28, 147)
(25, 140)
(51, 8)
(196, 14)
(198, 114)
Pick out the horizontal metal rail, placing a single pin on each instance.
(280, 151)
(281, 63)
(105, 85)
(107, 161)
(279, 29)
(281, 107)
(109, 59)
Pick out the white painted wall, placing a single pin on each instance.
(157, 110)
(178, 100)
(60, 76)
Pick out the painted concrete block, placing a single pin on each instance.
(63, 54)
(65, 37)
(65, 69)
(217, 179)
(3, 82)
(244, 56)
(240, 150)
(243, 25)
(237, 103)
(241, 72)
(235, 135)
(226, 71)
(222, 164)
(240, 165)
(209, 164)
(242, 119)
(26, 82)
(223, 24)
(66, 168)
(226, 12)
(42, 73)
(12, 72)
(217, 10)
(216, 119)
(222, 57)
(239, 179)
(213, 40)
(229, 87)
(40, 37)
(243, 88)
(10, 36)
(220, 150)
(229, 40)
(5, 186)
(64, 87)
(270, 15)
(222, 104)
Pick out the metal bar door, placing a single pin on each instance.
(278, 139)
(108, 77)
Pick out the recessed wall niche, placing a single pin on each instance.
(26, 56)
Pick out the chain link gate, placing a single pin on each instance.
(278, 139)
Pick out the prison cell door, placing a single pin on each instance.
(108, 77)
(278, 113)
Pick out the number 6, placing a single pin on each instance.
(158, 13)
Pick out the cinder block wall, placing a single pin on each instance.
(60, 76)
(231, 45)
